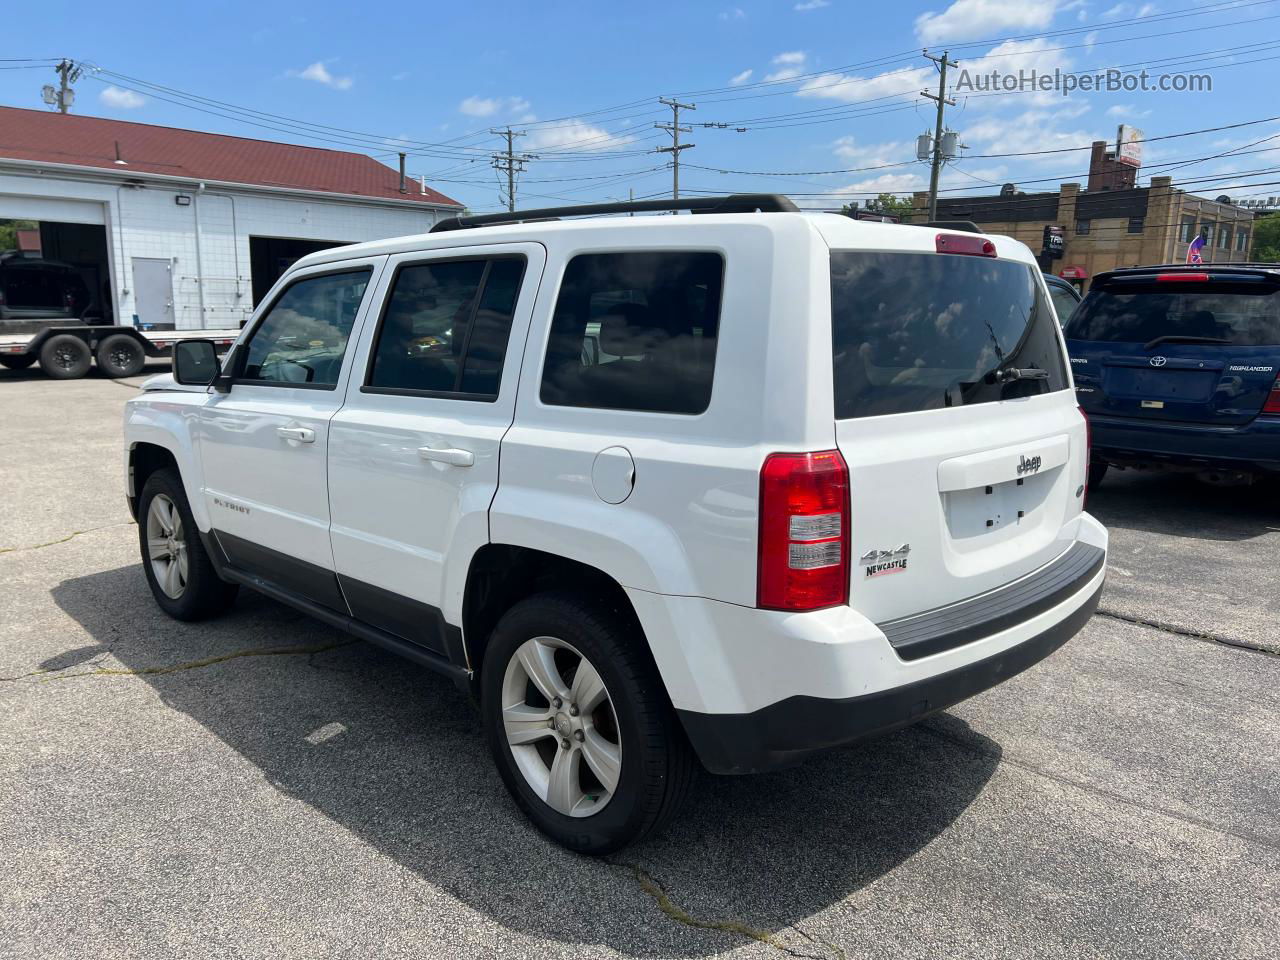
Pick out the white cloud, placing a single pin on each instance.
(121, 99)
(735, 13)
(575, 135)
(808, 5)
(1129, 11)
(873, 154)
(1126, 111)
(488, 106)
(1029, 132)
(790, 64)
(972, 19)
(320, 74)
(741, 78)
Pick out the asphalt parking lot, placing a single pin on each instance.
(262, 786)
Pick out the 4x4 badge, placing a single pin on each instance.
(880, 562)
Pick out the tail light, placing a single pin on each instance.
(803, 561)
(1182, 278)
(1273, 398)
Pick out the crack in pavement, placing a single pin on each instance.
(1186, 632)
(70, 536)
(670, 909)
(48, 676)
(1002, 757)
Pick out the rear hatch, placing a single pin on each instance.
(1178, 345)
(954, 415)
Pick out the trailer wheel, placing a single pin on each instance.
(18, 362)
(65, 357)
(119, 355)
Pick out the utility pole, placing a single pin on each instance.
(511, 163)
(943, 102)
(64, 96)
(675, 130)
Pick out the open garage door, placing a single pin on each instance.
(52, 270)
(270, 257)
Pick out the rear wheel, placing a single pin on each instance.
(18, 362)
(120, 355)
(65, 357)
(579, 725)
(178, 570)
(1097, 470)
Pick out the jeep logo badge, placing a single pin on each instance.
(1158, 361)
(1026, 465)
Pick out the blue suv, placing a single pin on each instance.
(1176, 368)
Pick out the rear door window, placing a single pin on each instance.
(1244, 313)
(922, 331)
(445, 328)
(635, 331)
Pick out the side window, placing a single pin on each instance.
(445, 328)
(304, 336)
(635, 331)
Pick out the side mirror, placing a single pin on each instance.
(195, 362)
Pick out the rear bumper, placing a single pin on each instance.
(1148, 443)
(786, 732)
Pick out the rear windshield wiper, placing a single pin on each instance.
(1174, 338)
(1021, 373)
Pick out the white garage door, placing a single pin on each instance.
(15, 207)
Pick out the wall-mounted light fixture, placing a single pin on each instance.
(183, 200)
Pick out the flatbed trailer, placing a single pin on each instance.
(67, 352)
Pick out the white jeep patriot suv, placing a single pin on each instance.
(739, 487)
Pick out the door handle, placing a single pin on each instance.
(450, 455)
(301, 434)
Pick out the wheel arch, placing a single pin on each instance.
(144, 459)
(501, 575)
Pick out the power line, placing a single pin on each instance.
(511, 163)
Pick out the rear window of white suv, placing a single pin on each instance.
(635, 331)
(923, 331)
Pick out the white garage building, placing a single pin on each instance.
(177, 229)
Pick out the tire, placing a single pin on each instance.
(633, 728)
(65, 357)
(183, 579)
(120, 355)
(17, 362)
(1097, 470)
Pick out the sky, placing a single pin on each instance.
(820, 98)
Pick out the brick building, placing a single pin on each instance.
(1111, 226)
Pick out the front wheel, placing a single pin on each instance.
(579, 725)
(178, 570)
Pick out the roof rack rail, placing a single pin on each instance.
(737, 203)
(968, 226)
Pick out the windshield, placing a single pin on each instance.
(920, 331)
(1242, 314)
(1064, 302)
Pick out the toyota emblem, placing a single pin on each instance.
(1158, 361)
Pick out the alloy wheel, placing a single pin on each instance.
(561, 727)
(167, 546)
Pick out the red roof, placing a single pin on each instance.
(48, 137)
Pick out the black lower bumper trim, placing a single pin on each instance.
(787, 732)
